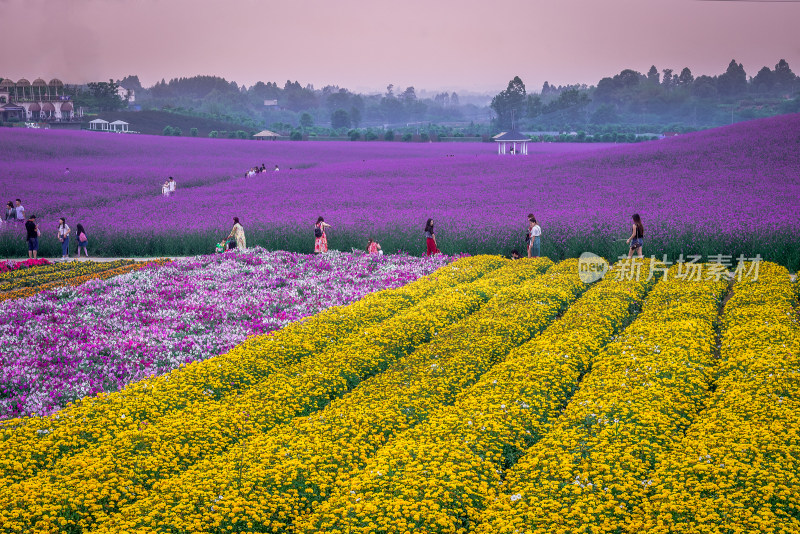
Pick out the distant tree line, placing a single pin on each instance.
(652, 101)
(628, 102)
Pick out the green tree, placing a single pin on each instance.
(168, 130)
(104, 95)
(296, 136)
(340, 119)
(177, 132)
(193, 132)
(355, 116)
(734, 81)
(306, 120)
(783, 75)
(685, 78)
(389, 135)
(213, 134)
(510, 103)
(652, 75)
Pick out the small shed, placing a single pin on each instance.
(118, 126)
(512, 143)
(266, 134)
(98, 124)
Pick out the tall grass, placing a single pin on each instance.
(559, 243)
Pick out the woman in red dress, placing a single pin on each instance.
(430, 239)
(320, 239)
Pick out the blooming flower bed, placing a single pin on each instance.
(712, 192)
(50, 275)
(739, 463)
(71, 342)
(439, 475)
(442, 299)
(8, 265)
(596, 463)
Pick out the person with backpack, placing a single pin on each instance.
(83, 241)
(320, 238)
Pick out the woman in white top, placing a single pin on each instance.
(63, 237)
(534, 237)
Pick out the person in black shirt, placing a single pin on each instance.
(32, 233)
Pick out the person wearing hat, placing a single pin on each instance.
(32, 233)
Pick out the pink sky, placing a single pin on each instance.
(363, 45)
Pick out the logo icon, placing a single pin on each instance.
(591, 267)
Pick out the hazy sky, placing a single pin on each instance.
(363, 45)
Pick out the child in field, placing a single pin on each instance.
(83, 241)
(373, 247)
(320, 237)
(637, 236)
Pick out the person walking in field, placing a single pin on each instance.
(373, 247)
(63, 237)
(171, 185)
(237, 235)
(83, 241)
(320, 237)
(534, 237)
(637, 236)
(11, 212)
(32, 234)
(430, 239)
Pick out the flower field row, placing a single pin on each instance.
(124, 469)
(739, 464)
(275, 280)
(595, 465)
(8, 267)
(302, 460)
(50, 276)
(437, 477)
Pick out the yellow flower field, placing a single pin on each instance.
(29, 445)
(738, 466)
(492, 396)
(596, 463)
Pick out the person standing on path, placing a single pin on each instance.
(320, 237)
(534, 238)
(237, 234)
(32, 236)
(83, 241)
(63, 237)
(430, 239)
(636, 239)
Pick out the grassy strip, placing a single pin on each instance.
(738, 468)
(88, 486)
(593, 467)
(275, 477)
(437, 477)
(28, 445)
(558, 242)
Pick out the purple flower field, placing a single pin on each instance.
(61, 345)
(732, 190)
